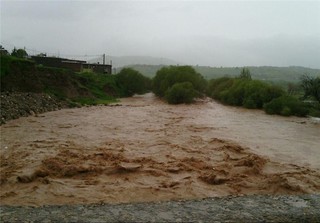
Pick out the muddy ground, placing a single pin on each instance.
(145, 150)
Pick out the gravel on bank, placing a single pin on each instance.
(254, 208)
(21, 104)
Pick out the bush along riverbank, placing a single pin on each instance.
(182, 84)
(255, 94)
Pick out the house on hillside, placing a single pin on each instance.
(74, 65)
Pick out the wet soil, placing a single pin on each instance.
(145, 150)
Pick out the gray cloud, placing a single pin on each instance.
(215, 33)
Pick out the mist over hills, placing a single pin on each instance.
(266, 73)
(122, 61)
(148, 66)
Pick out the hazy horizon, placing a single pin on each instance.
(209, 33)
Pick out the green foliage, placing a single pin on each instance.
(314, 109)
(166, 77)
(293, 89)
(274, 75)
(132, 82)
(9, 63)
(245, 74)
(219, 85)
(103, 88)
(235, 94)
(242, 91)
(257, 93)
(20, 53)
(286, 106)
(181, 93)
(82, 88)
(311, 87)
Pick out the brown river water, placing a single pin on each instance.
(143, 149)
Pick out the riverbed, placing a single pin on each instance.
(143, 149)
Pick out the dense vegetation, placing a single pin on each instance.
(311, 87)
(243, 91)
(275, 75)
(286, 106)
(178, 84)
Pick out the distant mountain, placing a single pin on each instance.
(149, 66)
(267, 73)
(123, 61)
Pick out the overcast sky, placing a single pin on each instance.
(213, 33)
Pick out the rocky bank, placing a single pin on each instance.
(22, 104)
(256, 208)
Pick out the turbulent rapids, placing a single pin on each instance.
(143, 149)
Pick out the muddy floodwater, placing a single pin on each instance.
(143, 149)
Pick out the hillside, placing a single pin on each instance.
(30, 89)
(273, 74)
(20, 75)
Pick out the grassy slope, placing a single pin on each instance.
(84, 88)
(102, 87)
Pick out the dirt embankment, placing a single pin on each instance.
(143, 150)
(19, 104)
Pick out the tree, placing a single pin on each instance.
(245, 74)
(20, 53)
(3, 51)
(311, 86)
(166, 77)
(132, 82)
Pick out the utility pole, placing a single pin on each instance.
(104, 59)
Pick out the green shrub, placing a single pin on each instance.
(216, 86)
(314, 112)
(132, 82)
(249, 103)
(166, 77)
(286, 111)
(311, 87)
(286, 105)
(181, 93)
(243, 92)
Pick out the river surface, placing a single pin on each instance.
(285, 139)
(143, 149)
